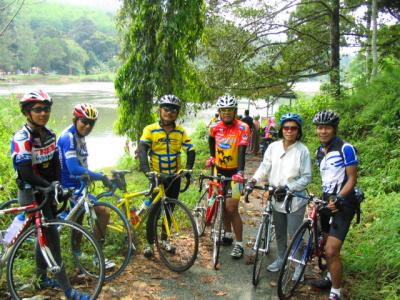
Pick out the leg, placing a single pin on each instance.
(334, 262)
(232, 211)
(280, 222)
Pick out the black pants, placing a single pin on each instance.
(172, 192)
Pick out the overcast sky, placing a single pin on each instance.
(108, 5)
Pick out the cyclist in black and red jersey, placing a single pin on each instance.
(337, 161)
(35, 158)
(228, 140)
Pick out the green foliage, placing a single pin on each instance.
(10, 119)
(159, 40)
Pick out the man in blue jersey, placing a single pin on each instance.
(74, 155)
(337, 161)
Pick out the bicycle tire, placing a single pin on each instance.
(263, 245)
(286, 283)
(22, 258)
(216, 234)
(185, 239)
(199, 212)
(116, 242)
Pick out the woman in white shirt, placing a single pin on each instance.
(287, 166)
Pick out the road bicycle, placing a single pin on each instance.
(108, 225)
(265, 233)
(173, 222)
(307, 243)
(19, 255)
(213, 215)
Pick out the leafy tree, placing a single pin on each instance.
(159, 40)
(50, 55)
(75, 58)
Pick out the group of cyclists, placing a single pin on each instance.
(39, 159)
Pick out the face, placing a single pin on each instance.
(325, 133)
(169, 114)
(227, 114)
(84, 126)
(290, 131)
(39, 114)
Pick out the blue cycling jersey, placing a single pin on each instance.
(73, 158)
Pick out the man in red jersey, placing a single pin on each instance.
(228, 140)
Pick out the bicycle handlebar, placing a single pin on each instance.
(54, 186)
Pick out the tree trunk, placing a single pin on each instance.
(368, 43)
(374, 36)
(334, 74)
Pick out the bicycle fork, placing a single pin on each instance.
(307, 252)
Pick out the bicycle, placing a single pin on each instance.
(173, 222)
(215, 208)
(113, 234)
(265, 233)
(307, 243)
(19, 255)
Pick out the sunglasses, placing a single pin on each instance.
(170, 109)
(227, 110)
(38, 110)
(88, 122)
(292, 128)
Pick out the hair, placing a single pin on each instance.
(246, 112)
(300, 131)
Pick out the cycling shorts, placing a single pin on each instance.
(231, 189)
(341, 221)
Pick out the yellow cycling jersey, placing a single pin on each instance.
(165, 148)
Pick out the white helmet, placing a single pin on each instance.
(170, 100)
(227, 101)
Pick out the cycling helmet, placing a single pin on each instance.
(85, 110)
(326, 117)
(291, 117)
(227, 101)
(31, 98)
(170, 100)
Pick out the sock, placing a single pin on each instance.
(335, 291)
(328, 275)
(228, 235)
(239, 243)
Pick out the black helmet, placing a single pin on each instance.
(326, 117)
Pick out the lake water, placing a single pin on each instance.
(104, 146)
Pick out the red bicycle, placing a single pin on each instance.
(19, 254)
(208, 210)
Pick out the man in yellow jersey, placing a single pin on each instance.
(159, 151)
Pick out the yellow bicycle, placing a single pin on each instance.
(173, 221)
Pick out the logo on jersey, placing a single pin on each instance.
(224, 146)
(245, 137)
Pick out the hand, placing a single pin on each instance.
(152, 176)
(106, 181)
(335, 203)
(250, 185)
(188, 175)
(238, 177)
(210, 162)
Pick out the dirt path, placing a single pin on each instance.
(150, 279)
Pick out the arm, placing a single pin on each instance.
(75, 169)
(211, 145)
(304, 173)
(57, 165)
(144, 160)
(242, 158)
(26, 173)
(191, 155)
(265, 166)
(351, 173)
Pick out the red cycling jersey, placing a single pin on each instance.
(228, 138)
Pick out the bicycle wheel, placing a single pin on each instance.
(22, 263)
(176, 235)
(294, 263)
(199, 212)
(216, 233)
(262, 247)
(113, 235)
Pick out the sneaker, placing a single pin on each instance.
(237, 251)
(45, 282)
(296, 274)
(333, 296)
(227, 240)
(109, 264)
(167, 246)
(275, 266)
(322, 284)
(148, 251)
(72, 294)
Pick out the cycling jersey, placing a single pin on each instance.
(332, 165)
(165, 148)
(28, 146)
(73, 158)
(228, 138)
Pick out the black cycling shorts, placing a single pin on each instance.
(340, 222)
